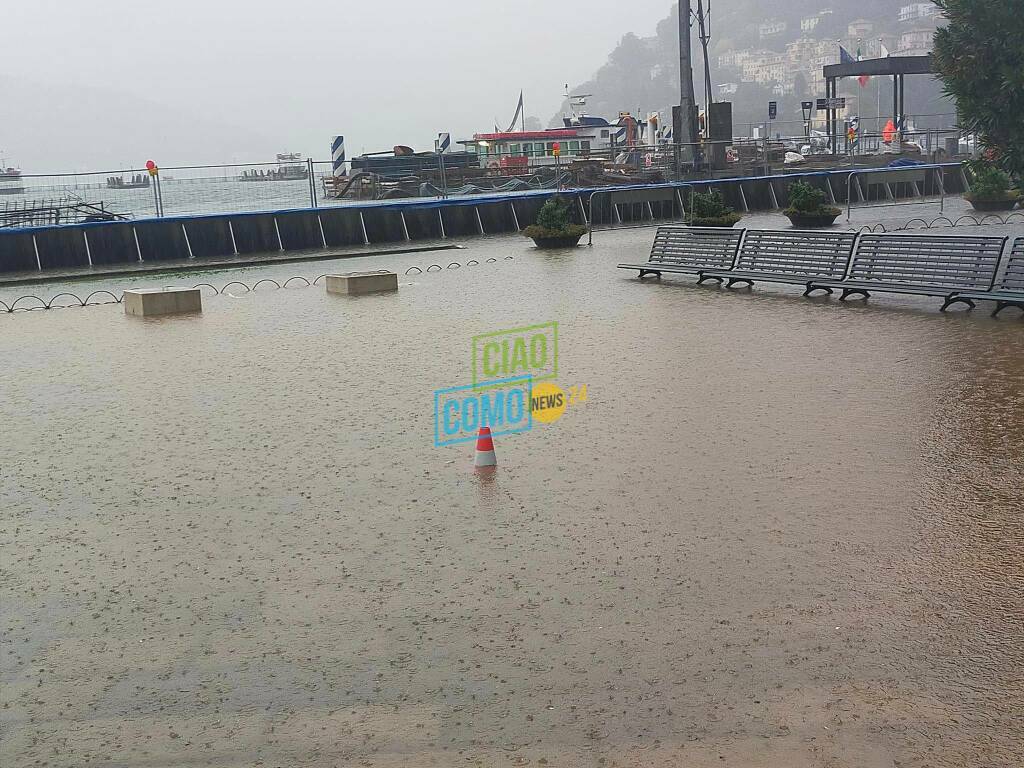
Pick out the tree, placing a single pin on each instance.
(979, 56)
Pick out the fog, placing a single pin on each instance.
(114, 82)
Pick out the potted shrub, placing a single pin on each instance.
(807, 208)
(990, 188)
(553, 228)
(708, 209)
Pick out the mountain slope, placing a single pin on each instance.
(642, 74)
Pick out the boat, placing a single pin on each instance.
(290, 167)
(138, 181)
(11, 182)
(581, 137)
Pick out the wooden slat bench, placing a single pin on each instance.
(1008, 290)
(688, 250)
(922, 265)
(789, 256)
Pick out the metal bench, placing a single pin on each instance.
(790, 256)
(922, 265)
(1008, 290)
(688, 250)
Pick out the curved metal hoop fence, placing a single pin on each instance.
(31, 302)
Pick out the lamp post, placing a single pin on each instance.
(686, 130)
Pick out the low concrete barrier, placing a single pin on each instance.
(150, 302)
(356, 283)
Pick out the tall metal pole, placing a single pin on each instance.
(704, 32)
(686, 99)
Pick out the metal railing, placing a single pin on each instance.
(43, 199)
(888, 176)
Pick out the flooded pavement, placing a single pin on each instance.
(779, 531)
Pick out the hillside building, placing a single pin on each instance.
(917, 11)
(916, 42)
(771, 28)
(859, 29)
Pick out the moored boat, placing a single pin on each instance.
(11, 182)
(290, 167)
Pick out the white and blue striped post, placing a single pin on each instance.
(338, 156)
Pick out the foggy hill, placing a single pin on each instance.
(642, 74)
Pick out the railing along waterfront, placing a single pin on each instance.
(132, 193)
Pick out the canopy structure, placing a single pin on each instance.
(896, 67)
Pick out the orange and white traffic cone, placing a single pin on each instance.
(485, 449)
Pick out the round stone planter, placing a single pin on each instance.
(723, 222)
(566, 241)
(812, 220)
(1006, 204)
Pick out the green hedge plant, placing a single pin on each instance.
(808, 200)
(988, 183)
(708, 209)
(553, 221)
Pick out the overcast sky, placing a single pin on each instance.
(190, 80)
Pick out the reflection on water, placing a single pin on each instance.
(973, 553)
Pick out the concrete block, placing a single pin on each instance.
(355, 283)
(149, 302)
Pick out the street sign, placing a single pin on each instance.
(444, 141)
(773, 110)
(834, 103)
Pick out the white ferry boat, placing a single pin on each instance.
(581, 136)
(11, 182)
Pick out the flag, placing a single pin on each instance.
(845, 57)
(863, 80)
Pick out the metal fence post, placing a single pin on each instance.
(312, 182)
(156, 196)
(942, 188)
(590, 224)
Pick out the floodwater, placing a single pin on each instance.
(779, 532)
